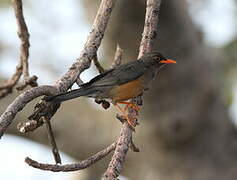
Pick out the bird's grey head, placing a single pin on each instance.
(158, 57)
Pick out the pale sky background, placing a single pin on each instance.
(61, 31)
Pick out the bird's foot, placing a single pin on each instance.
(131, 105)
(131, 121)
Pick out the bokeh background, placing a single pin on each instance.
(188, 121)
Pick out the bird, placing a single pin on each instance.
(119, 84)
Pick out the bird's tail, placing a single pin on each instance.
(69, 95)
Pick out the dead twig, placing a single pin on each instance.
(98, 65)
(75, 166)
(52, 141)
(133, 147)
(23, 66)
(117, 57)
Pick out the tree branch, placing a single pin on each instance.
(75, 166)
(150, 27)
(115, 165)
(91, 46)
(52, 141)
(117, 57)
(23, 66)
(97, 64)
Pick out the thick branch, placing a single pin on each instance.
(115, 165)
(150, 27)
(72, 167)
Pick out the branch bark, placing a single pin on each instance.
(116, 163)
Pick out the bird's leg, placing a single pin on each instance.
(130, 104)
(129, 120)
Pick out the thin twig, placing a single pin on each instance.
(97, 64)
(117, 57)
(117, 60)
(24, 36)
(133, 147)
(75, 166)
(23, 66)
(52, 141)
(146, 45)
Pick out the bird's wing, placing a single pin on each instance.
(120, 75)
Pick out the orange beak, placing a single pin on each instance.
(168, 61)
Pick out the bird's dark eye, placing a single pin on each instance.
(157, 58)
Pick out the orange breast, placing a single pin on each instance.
(126, 91)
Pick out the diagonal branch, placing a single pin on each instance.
(90, 48)
(124, 141)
